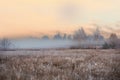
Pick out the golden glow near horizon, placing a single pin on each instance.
(37, 17)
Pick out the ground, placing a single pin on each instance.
(61, 64)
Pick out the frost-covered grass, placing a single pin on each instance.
(60, 65)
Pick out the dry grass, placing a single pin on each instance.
(60, 65)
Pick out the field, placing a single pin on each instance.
(64, 64)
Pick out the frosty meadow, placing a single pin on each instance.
(60, 64)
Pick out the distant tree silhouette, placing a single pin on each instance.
(106, 46)
(113, 37)
(80, 35)
(65, 36)
(57, 36)
(113, 41)
(45, 37)
(97, 35)
(69, 37)
(5, 44)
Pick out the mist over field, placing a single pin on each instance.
(79, 39)
(38, 44)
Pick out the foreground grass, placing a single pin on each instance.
(60, 65)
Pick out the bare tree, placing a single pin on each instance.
(97, 34)
(5, 44)
(80, 35)
(114, 41)
(57, 36)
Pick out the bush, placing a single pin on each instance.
(106, 46)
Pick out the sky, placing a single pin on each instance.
(19, 18)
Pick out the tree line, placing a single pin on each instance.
(80, 35)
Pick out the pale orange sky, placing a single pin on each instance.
(37, 17)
